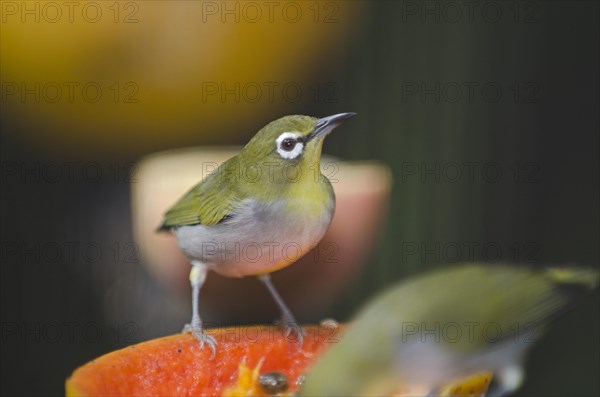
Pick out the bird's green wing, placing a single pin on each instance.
(501, 302)
(208, 203)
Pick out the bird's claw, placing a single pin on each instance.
(289, 326)
(202, 337)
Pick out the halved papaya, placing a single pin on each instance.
(249, 361)
(177, 366)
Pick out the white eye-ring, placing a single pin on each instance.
(289, 146)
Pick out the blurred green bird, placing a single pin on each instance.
(446, 325)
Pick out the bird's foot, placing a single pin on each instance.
(201, 336)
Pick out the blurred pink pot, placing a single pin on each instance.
(310, 285)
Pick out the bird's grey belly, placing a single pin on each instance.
(257, 239)
(435, 365)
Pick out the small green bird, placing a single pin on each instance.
(259, 211)
(445, 326)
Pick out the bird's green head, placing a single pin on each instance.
(292, 140)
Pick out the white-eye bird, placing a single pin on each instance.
(446, 325)
(259, 211)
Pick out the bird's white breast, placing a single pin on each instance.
(259, 238)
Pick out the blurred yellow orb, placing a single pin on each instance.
(133, 76)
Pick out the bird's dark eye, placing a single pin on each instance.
(288, 144)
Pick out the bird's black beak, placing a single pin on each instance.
(327, 124)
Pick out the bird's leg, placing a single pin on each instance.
(289, 322)
(197, 277)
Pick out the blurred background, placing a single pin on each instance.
(482, 120)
